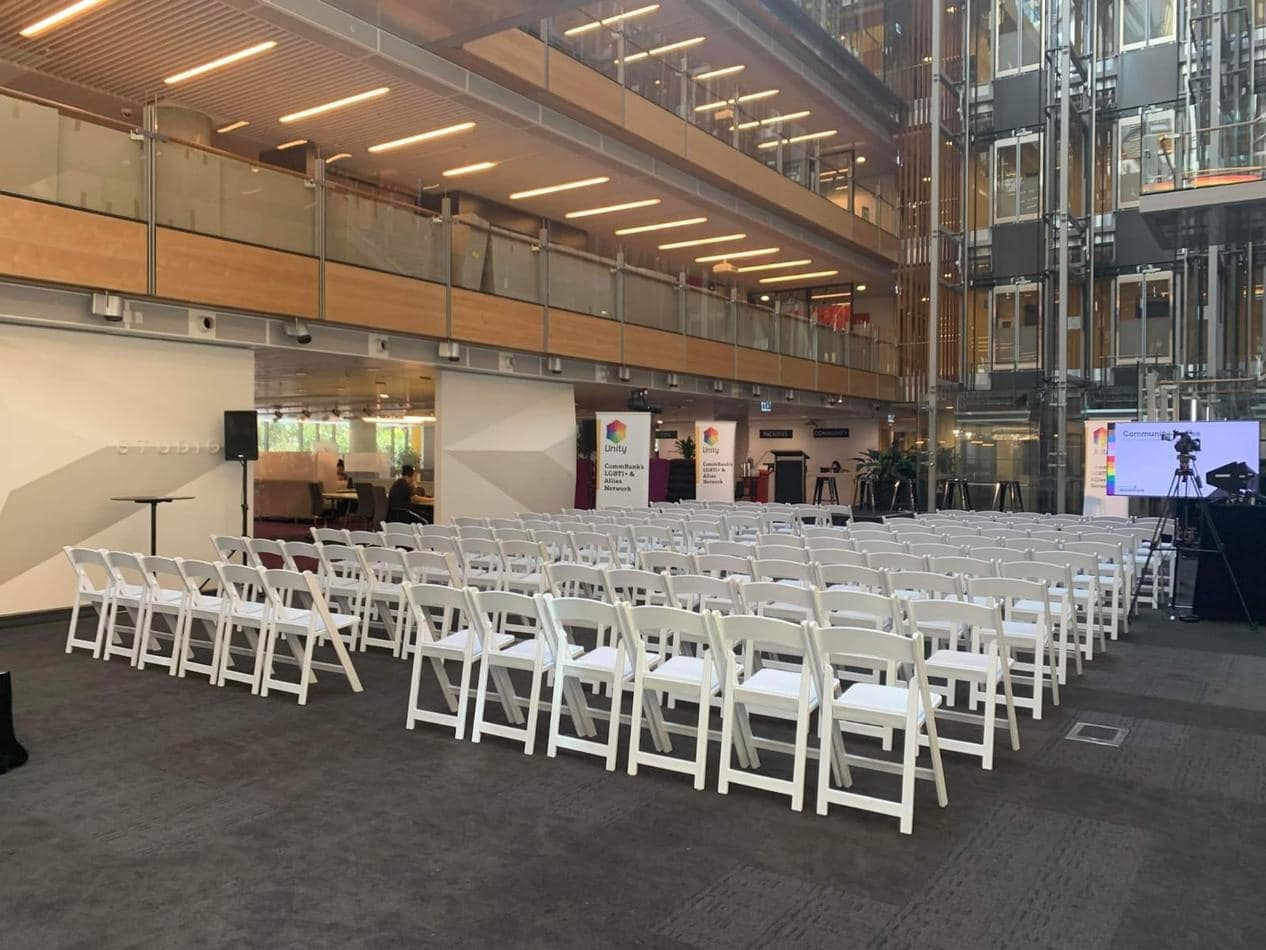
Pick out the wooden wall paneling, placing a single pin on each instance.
(832, 379)
(798, 373)
(369, 298)
(61, 245)
(499, 321)
(657, 126)
(757, 366)
(209, 270)
(657, 349)
(576, 83)
(583, 336)
(513, 52)
(709, 358)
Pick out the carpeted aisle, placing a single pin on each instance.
(164, 813)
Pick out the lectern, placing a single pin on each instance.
(790, 469)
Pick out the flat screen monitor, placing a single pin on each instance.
(1143, 456)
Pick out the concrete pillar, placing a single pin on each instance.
(188, 125)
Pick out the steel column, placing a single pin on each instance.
(934, 250)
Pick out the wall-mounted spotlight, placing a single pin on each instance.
(299, 332)
(109, 306)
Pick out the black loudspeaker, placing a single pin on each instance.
(241, 435)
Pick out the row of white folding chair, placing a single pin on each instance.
(256, 601)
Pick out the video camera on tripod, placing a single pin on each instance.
(1186, 446)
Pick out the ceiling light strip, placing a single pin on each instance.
(285, 145)
(607, 21)
(565, 186)
(749, 97)
(661, 50)
(772, 120)
(718, 73)
(718, 239)
(611, 209)
(60, 18)
(831, 296)
(422, 137)
(786, 278)
(661, 226)
(807, 137)
(337, 157)
(776, 265)
(233, 127)
(336, 104)
(220, 63)
(468, 169)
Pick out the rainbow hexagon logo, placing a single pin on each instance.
(617, 431)
(1100, 437)
(711, 436)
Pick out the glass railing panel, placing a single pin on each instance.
(830, 345)
(495, 262)
(581, 283)
(708, 316)
(1221, 155)
(216, 194)
(755, 327)
(651, 301)
(383, 235)
(796, 337)
(71, 161)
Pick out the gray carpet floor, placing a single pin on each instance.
(164, 813)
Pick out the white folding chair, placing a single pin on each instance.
(730, 548)
(523, 566)
(665, 562)
(129, 594)
(903, 705)
(346, 584)
(206, 610)
(482, 566)
(557, 544)
(232, 548)
(372, 539)
(385, 572)
(850, 577)
(838, 556)
(240, 586)
(895, 563)
(325, 536)
(91, 591)
(266, 547)
(168, 598)
(311, 623)
(1026, 621)
(723, 565)
(446, 633)
(576, 580)
(700, 592)
(782, 552)
(595, 549)
(1059, 605)
(796, 573)
(984, 662)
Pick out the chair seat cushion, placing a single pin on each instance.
(784, 684)
(886, 700)
(526, 649)
(602, 660)
(688, 671)
(456, 642)
(963, 660)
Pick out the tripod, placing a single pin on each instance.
(1186, 487)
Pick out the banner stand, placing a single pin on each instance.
(714, 461)
(624, 460)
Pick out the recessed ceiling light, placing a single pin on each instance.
(285, 145)
(233, 126)
(807, 137)
(228, 60)
(469, 169)
(610, 209)
(718, 239)
(772, 120)
(749, 97)
(734, 255)
(422, 137)
(339, 157)
(784, 278)
(777, 265)
(661, 226)
(717, 73)
(764, 298)
(831, 296)
(607, 21)
(859, 287)
(661, 50)
(336, 104)
(565, 186)
(860, 160)
(61, 17)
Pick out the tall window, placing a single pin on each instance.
(1016, 326)
(1129, 161)
(1145, 317)
(1017, 179)
(1017, 36)
(1145, 22)
(1146, 155)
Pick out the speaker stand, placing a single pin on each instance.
(11, 752)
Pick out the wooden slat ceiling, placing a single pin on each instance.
(125, 48)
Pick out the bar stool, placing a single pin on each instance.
(899, 486)
(826, 483)
(864, 492)
(1007, 493)
(947, 488)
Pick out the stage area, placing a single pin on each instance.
(156, 813)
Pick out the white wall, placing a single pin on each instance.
(86, 416)
(502, 445)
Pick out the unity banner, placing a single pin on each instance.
(714, 461)
(624, 445)
(1095, 499)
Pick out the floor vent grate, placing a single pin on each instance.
(1095, 734)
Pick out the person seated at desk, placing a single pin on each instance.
(340, 476)
(404, 496)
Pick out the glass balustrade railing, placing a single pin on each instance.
(757, 121)
(57, 155)
(1174, 158)
(101, 168)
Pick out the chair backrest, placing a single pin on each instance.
(474, 532)
(196, 574)
(87, 562)
(853, 576)
(432, 567)
(918, 537)
(848, 645)
(539, 524)
(672, 562)
(826, 532)
(383, 564)
(365, 538)
(895, 563)
(963, 566)
(502, 524)
(239, 584)
(126, 568)
(648, 537)
(438, 611)
(557, 543)
(870, 532)
(1049, 574)
(398, 527)
(837, 556)
(436, 531)
(746, 633)
(856, 607)
(1055, 538)
(701, 591)
(342, 562)
(646, 624)
(512, 534)
(1000, 555)
(266, 546)
(868, 546)
(1104, 552)
(404, 540)
(699, 531)
(836, 542)
(163, 573)
(982, 621)
(732, 548)
(1079, 562)
(330, 536)
(722, 565)
(936, 550)
(741, 526)
(523, 556)
(594, 548)
(1008, 591)
(782, 540)
(782, 552)
(925, 582)
(499, 611)
(228, 546)
(756, 597)
(469, 522)
(635, 587)
(575, 580)
(561, 616)
(772, 569)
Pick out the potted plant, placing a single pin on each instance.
(885, 467)
(686, 447)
